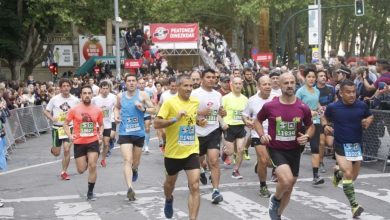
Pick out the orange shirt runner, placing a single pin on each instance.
(85, 120)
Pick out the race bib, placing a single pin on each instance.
(353, 152)
(86, 129)
(187, 135)
(285, 131)
(62, 117)
(212, 118)
(61, 133)
(132, 124)
(106, 112)
(237, 115)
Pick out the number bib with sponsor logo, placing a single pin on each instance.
(285, 131)
(62, 117)
(353, 151)
(61, 133)
(132, 124)
(187, 135)
(86, 129)
(212, 118)
(237, 115)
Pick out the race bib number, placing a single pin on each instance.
(61, 133)
(237, 115)
(285, 131)
(353, 152)
(187, 135)
(132, 124)
(212, 118)
(62, 117)
(86, 129)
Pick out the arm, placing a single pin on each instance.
(101, 125)
(117, 108)
(66, 126)
(367, 121)
(149, 105)
(367, 85)
(49, 116)
(163, 123)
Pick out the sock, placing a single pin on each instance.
(147, 138)
(90, 187)
(315, 172)
(349, 191)
(262, 184)
(215, 190)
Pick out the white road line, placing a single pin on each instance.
(79, 210)
(329, 206)
(153, 208)
(383, 195)
(241, 207)
(47, 163)
(6, 213)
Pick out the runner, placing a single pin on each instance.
(56, 111)
(348, 139)
(253, 107)
(106, 102)
(86, 117)
(310, 95)
(209, 134)
(249, 89)
(285, 115)
(178, 115)
(234, 103)
(129, 111)
(147, 116)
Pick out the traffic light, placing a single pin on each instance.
(359, 7)
(96, 69)
(53, 67)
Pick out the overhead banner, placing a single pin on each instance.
(91, 46)
(61, 54)
(166, 33)
(263, 57)
(133, 64)
(313, 25)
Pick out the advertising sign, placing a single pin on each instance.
(164, 33)
(91, 46)
(61, 54)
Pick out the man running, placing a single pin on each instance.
(86, 117)
(147, 116)
(209, 134)
(56, 111)
(234, 103)
(349, 116)
(130, 108)
(286, 115)
(253, 107)
(106, 102)
(178, 115)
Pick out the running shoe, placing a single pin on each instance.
(112, 143)
(246, 155)
(216, 197)
(147, 151)
(135, 175)
(318, 180)
(357, 211)
(108, 153)
(203, 178)
(273, 208)
(91, 196)
(226, 159)
(236, 175)
(103, 163)
(65, 176)
(264, 192)
(131, 194)
(168, 208)
(336, 178)
(322, 168)
(256, 167)
(1, 203)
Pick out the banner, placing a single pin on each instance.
(91, 46)
(313, 25)
(133, 64)
(262, 57)
(165, 33)
(315, 54)
(61, 54)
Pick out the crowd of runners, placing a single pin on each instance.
(203, 118)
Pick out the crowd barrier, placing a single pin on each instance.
(30, 121)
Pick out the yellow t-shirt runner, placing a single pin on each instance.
(234, 107)
(181, 139)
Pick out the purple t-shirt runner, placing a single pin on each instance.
(284, 122)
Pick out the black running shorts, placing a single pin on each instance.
(289, 157)
(173, 166)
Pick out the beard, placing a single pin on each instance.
(195, 85)
(87, 101)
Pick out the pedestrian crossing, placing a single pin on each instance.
(236, 205)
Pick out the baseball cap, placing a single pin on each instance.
(225, 79)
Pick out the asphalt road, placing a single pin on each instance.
(32, 189)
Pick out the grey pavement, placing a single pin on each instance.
(32, 189)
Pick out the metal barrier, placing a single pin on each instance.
(376, 139)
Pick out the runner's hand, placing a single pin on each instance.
(365, 123)
(117, 119)
(328, 130)
(140, 106)
(302, 138)
(181, 114)
(222, 112)
(250, 123)
(265, 139)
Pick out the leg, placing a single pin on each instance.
(137, 152)
(66, 159)
(92, 161)
(81, 164)
(194, 197)
(213, 158)
(127, 154)
(240, 142)
(147, 135)
(106, 143)
(169, 185)
(284, 186)
(262, 162)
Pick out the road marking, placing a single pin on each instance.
(47, 163)
(153, 208)
(329, 206)
(79, 210)
(384, 195)
(6, 213)
(241, 207)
